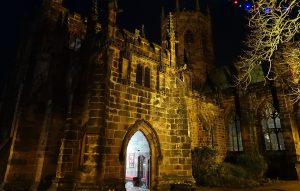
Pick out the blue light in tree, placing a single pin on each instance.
(247, 6)
(286, 8)
(266, 10)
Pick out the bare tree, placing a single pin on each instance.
(273, 23)
(287, 68)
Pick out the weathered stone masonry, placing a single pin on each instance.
(83, 88)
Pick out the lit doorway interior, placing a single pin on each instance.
(138, 163)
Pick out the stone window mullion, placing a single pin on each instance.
(235, 134)
(271, 129)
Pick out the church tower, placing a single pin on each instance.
(194, 47)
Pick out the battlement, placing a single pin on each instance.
(134, 42)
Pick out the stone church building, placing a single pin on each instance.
(92, 106)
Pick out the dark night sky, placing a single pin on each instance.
(228, 25)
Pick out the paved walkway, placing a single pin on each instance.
(278, 186)
(129, 187)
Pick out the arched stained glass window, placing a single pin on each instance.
(271, 128)
(235, 134)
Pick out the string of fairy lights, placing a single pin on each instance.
(248, 5)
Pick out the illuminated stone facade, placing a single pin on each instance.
(83, 88)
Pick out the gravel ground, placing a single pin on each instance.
(277, 186)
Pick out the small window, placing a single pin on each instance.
(186, 56)
(75, 43)
(188, 37)
(271, 128)
(235, 135)
(139, 74)
(83, 150)
(147, 77)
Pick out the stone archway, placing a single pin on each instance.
(155, 152)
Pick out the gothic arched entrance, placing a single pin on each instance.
(140, 154)
(137, 168)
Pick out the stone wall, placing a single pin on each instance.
(129, 102)
(206, 123)
(82, 104)
(33, 156)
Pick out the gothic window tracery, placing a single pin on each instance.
(235, 134)
(271, 128)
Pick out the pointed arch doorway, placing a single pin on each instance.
(138, 163)
(155, 156)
